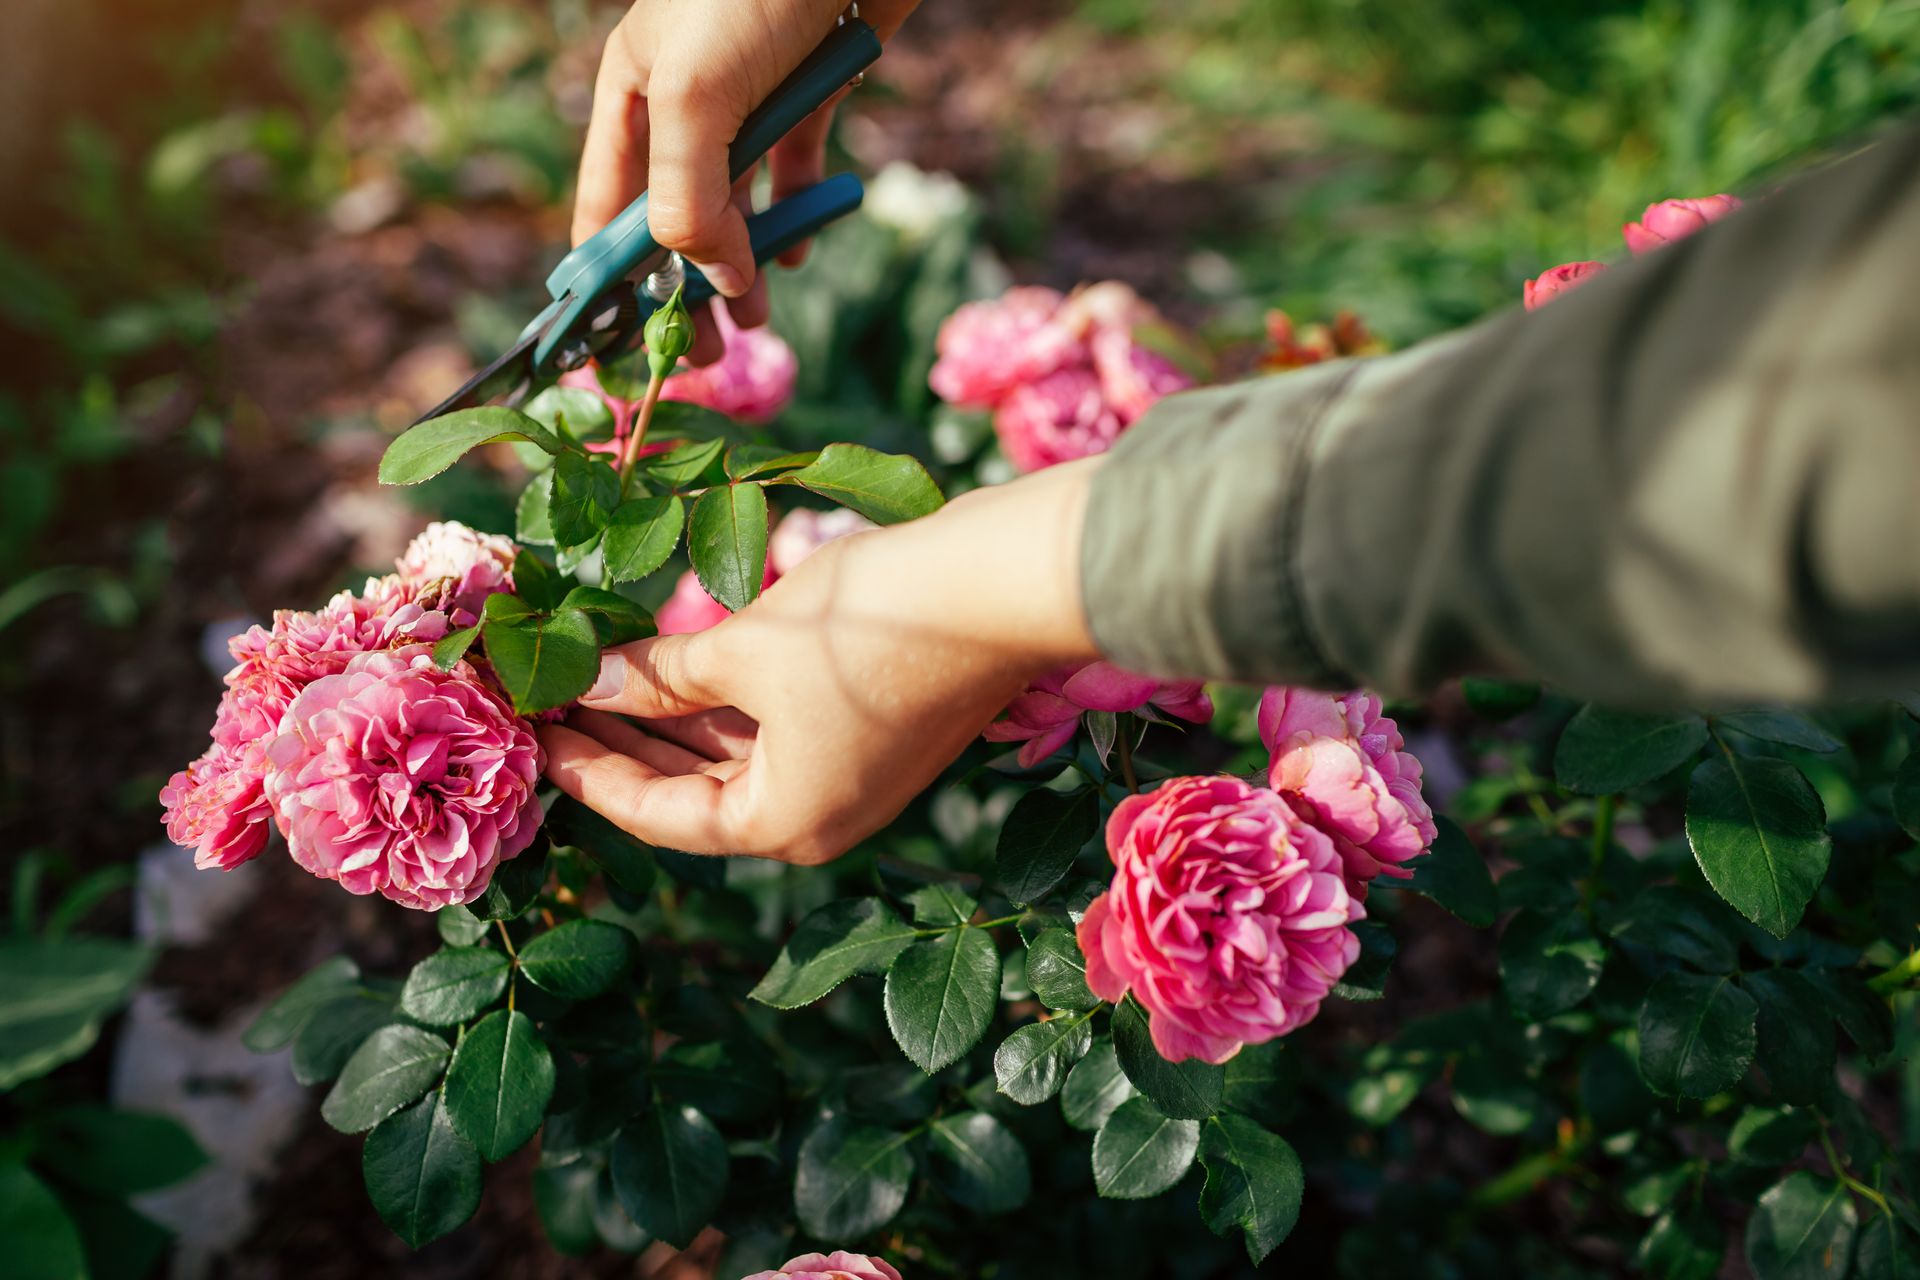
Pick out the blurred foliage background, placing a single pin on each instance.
(242, 242)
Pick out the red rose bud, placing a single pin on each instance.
(1551, 284)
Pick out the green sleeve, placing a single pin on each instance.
(1693, 480)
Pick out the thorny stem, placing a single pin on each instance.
(631, 453)
(1847, 1179)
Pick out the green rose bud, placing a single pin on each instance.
(669, 335)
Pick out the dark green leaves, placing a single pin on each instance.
(1696, 1035)
(1775, 724)
(1040, 838)
(1057, 971)
(1759, 833)
(1031, 1063)
(115, 1152)
(941, 905)
(58, 994)
(977, 1162)
(335, 1030)
(941, 994)
(499, 1083)
(670, 1171)
(641, 534)
(41, 1241)
(1796, 1040)
(727, 541)
(1906, 795)
(453, 984)
(1887, 1251)
(1454, 875)
(1548, 963)
(1254, 1182)
(585, 492)
(851, 1179)
(543, 660)
(1604, 751)
(423, 1178)
(1189, 1090)
(578, 959)
(885, 488)
(1094, 1088)
(394, 1066)
(281, 1021)
(1139, 1152)
(1683, 1246)
(424, 451)
(1802, 1229)
(854, 935)
(515, 884)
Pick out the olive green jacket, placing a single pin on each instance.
(1693, 480)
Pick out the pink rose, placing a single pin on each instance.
(217, 808)
(1344, 768)
(1046, 716)
(1550, 284)
(1670, 220)
(1227, 917)
(395, 777)
(1063, 416)
(1133, 377)
(455, 568)
(689, 608)
(751, 382)
(803, 531)
(987, 349)
(838, 1265)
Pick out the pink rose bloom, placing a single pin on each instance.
(216, 807)
(456, 568)
(1046, 716)
(987, 349)
(1132, 377)
(1063, 416)
(751, 382)
(838, 1265)
(1670, 220)
(1344, 768)
(1227, 918)
(803, 531)
(689, 608)
(395, 777)
(1550, 284)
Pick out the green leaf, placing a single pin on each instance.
(1776, 724)
(423, 1178)
(58, 992)
(537, 586)
(281, 1021)
(586, 489)
(499, 1083)
(1057, 971)
(1189, 1090)
(336, 1030)
(563, 1196)
(617, 1230)
(1906, 795)
(1759, 833)
(459, 928)
(670, 1170)
(1140, 1153)
(834, 942)
(730, 1080)
(424, 451)
(394, 1066)
(1696, 1035)
(450, 648)
(746, 461)
(940, 994)
(641, 534)
(1254, 1182)
(1683, 923)
(1094, 1088)
(727, 541)
(574, 411)
(942, 905)
(453, 984)
(1453, 874)
(1887, 1251)
(1796, 1040)
(1683, 1246)
(1040, 839)
(114, 1152)
(885, 488)
(1771, 1135)
(977, 1162)
(1604, 751)
(615, 852)
(851, 1179)
(1493, 1095)
(41, 1241)
(889, 1093)
(515, 884)
(1549, 963)
(533, 513)
(544, 661)
(688, 464)
(1366, 978)
(616, 619)
(578, 959)
(1498, 699)
(1802, 1229)
(1263, 1080)
(1861, 1012)
(1031, 1063)
(1611, 1089)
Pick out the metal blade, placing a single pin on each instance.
(508, 379)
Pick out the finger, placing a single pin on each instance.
(690, 202)
(613, 161)
(708, 344)
(726, 770)
(682, 812)
(726, 734)
(798, 161)
(664, 676)
(623, 736)
(751, 309)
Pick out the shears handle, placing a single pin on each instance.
(610, 254)
(773, 231)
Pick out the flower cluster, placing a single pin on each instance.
(1064, 375)
(1291, 347)
(382, 771)
(838, 1265)
(1664, 222)
(1044, 718)
(800, 533)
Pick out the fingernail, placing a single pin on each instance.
(613, 677)
(724, 279)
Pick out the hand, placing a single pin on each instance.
(808, 720)
(675, 82)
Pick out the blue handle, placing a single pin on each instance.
(603, 260)
(775, 230)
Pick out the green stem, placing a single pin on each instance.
(1602, 841)
(984, 924)
(505, 941)
(1847, 1180)
(1900, 975)
(1123, 741)
(641, 420)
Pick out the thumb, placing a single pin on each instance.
(658, 678)
(690, 200)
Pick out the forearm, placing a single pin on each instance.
(1690, 480)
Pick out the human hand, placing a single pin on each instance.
(675, 83)
(808, 720)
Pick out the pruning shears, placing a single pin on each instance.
(604, 290)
